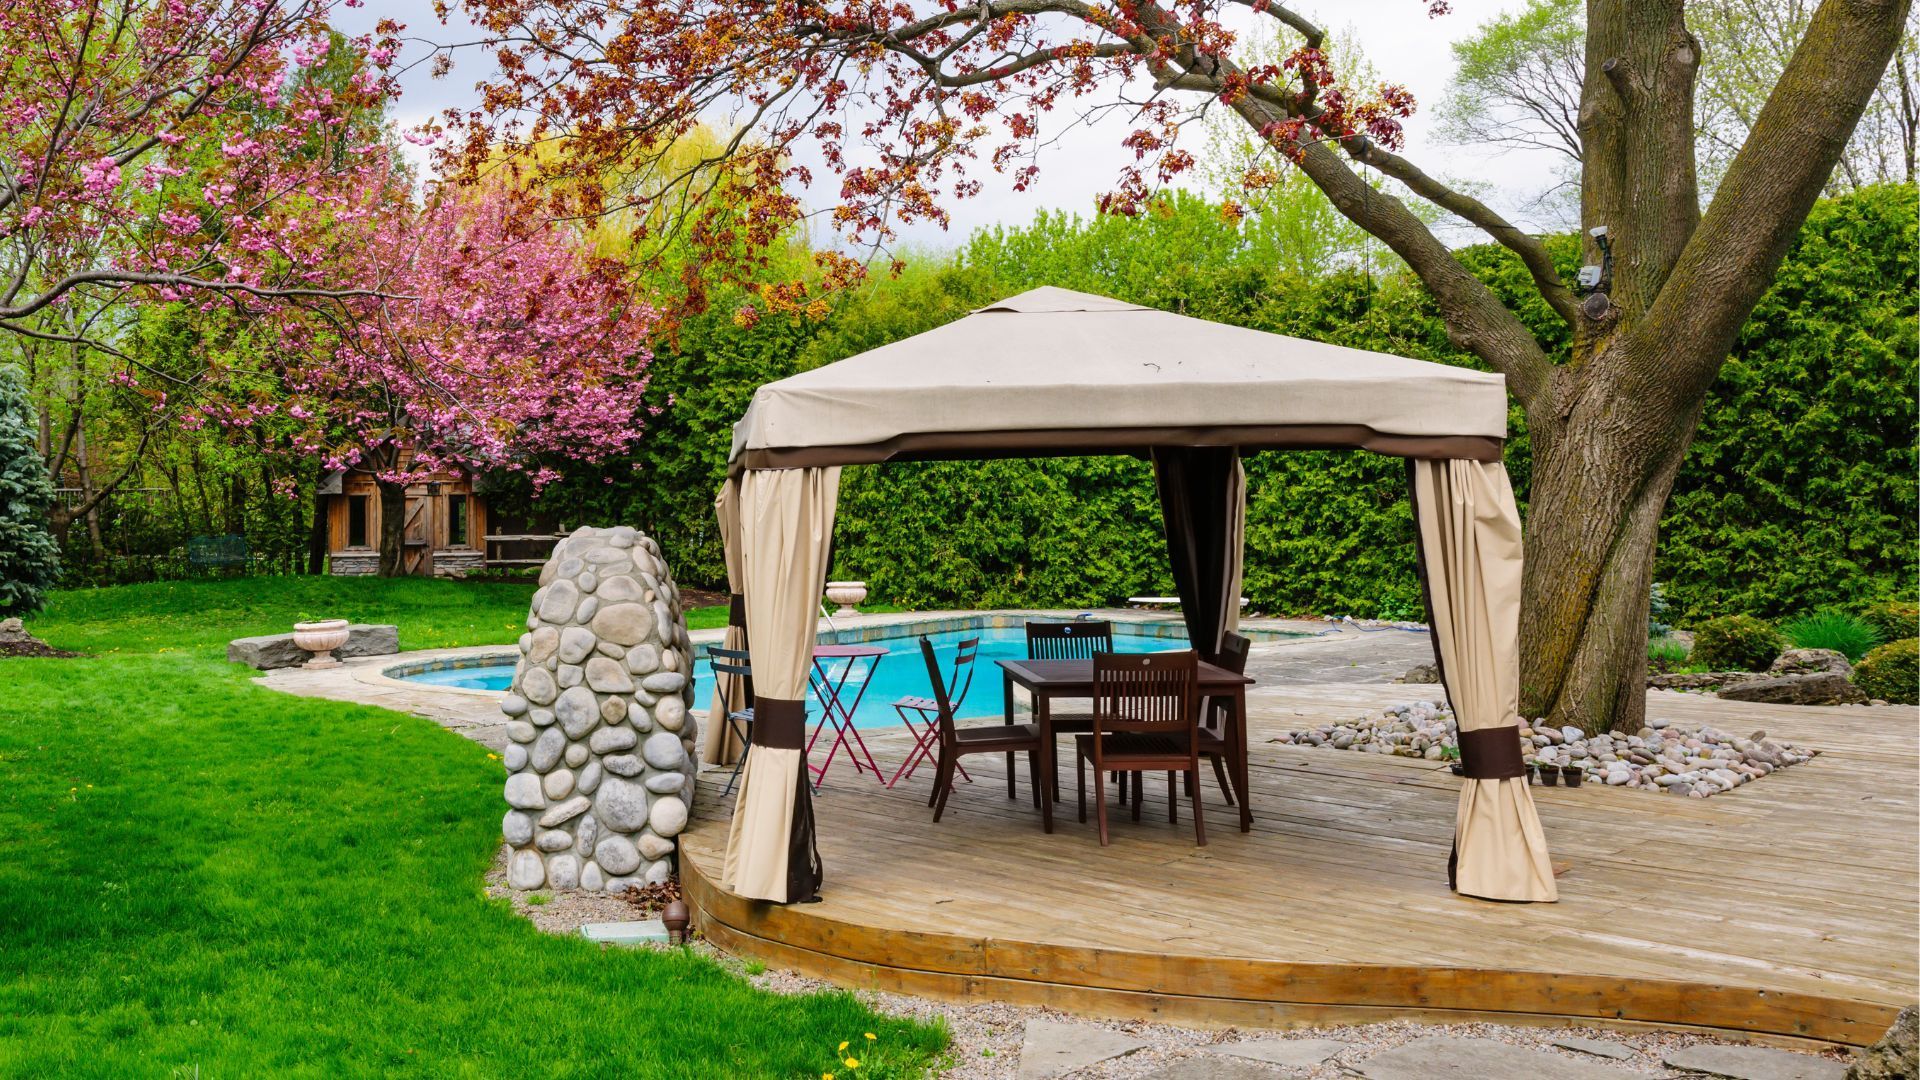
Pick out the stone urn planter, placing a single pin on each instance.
(846, 594)
(320, 639)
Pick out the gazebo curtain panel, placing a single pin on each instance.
(723, 744)
(1470, 554)
(786, 529)
(1012, 380)
(1203, 504)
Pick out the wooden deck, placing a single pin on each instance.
(1783, 910)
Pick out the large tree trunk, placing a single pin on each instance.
(1601, 476)
(393, 527)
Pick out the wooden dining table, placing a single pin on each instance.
(1050, 679)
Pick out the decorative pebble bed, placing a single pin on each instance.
(1661, 756)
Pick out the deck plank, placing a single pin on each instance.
(1785, 908)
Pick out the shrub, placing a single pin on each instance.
(1836, 630)
(1891, 672)
(1666, 651)
(1893, 619)
(1736, 643)
(29, 558)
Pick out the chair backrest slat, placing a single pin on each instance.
(963, 657)
(730, 662)
(945, 717)
(1075, 640)
(1146, 692)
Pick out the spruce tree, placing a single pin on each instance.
(29, 557)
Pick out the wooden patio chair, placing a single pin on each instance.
(956, 742)
(1145, 719)
(733, 662)
(1074, 639)
(1213, 732)
(926, 733)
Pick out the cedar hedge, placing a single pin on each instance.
(1799, 492)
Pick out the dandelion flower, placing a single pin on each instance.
(843, 1046)
(871, 1037)
(826, 1076)
(853, 1063)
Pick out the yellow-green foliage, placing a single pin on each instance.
(1891, 672)
(1893, 619)
(1736, 643)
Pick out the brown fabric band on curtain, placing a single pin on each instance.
(1064, 442)
(737, 609)
(780, 723)
(1489, 754)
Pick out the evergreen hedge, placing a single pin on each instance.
(29, 558)
(1799, 492)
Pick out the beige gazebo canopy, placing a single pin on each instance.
(1055, 372)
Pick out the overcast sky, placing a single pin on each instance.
(1403, 44)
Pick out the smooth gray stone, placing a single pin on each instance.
(517, 828)
(523, 792)
(621, 804)
(1754, 1063)
(578, 711)
(565, 812)
(622, 765)
(1292, 1053)
(270, 651)
(563, 872)
(1052, 1048)
(616, 854)
(608, 676)
(663, 750)
(1441, 1058)
(1596, 1047)
(576, 644)
(527, 870)
(613, 740)
(547, 749)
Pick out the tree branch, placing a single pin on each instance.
(136, 277)
(1729, 261)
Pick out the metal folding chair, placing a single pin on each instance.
(733, 662)
(926, 734)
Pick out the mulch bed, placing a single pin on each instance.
(28, 645)
(653, 899)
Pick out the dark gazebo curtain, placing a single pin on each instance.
(1203, 504)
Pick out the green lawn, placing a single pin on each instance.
(204, 878)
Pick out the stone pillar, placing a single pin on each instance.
(601, 763)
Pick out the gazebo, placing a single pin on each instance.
(1053, 372)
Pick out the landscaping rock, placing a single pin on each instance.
(272, 651)
(1052, 1048)
(1811, 662)
(1896, 1056)
(1701, 680)
(1421, 673)
(606, 615)
(1826, 688)
(1288, 1053)
(1695, 763)
(1754, 1063)
(1442, 1058)
(1596, 1047)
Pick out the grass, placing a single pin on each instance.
(1843, 633)
(201, 616)
(203, 877)
(1666, 651)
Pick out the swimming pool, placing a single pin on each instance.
(900, 673)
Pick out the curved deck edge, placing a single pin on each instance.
(1221, 991)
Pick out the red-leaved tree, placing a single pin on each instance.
(908, 102)
(494, 341)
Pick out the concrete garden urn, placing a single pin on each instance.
(846, 594)
(321, 638)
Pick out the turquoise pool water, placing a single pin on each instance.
(900, 673)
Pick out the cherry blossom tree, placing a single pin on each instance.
(489, 339)
(166, 152)
(908, 103)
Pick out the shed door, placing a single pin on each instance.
(416, 550)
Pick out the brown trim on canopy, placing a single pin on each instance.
(1071, 442)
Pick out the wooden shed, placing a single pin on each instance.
(444, 535)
